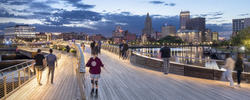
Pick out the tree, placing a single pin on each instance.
(243, 38)
(171, 39)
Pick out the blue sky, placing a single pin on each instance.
(101, 16)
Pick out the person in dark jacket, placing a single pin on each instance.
(239, 67)
(120, 50)
(165, 55)
(67, 49)
(95, 65)
(124, 50)
(99, 46)
(92, 46)
(39, 65)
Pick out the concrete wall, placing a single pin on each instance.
(184, 69)
(176, 68)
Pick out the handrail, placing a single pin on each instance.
(15, 66)
(80, 77)
(11, 81)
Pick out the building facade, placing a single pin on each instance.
(190, 36)
(119, 35)
(208, 35)
(19, 31)
(215, 36)
(96, 37)
(240, 24)
(198, 23)
(148, 26)
(73, 36)
(168, 30)
(184, 17)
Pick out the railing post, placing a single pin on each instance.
(13, 82)
(19, 80)
(24, 75)
(5, 87)
(29, 72)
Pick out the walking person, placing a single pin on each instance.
(99, 46)
(165, 55)
(120, 50)
(229, 66)
(124, 50)
(67, 48)
(95, 65)
(92, 46)
(51, 62)
(39, 66)
(239, 67)
(83, 46)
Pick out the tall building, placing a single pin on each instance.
(184, 17)
(148, 26)
(239, 24)
(19, 31)
(168, 30)
(198, 23)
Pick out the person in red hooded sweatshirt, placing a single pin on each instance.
(95, 65)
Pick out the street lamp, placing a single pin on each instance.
(243, 48)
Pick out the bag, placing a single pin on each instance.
(223, 76)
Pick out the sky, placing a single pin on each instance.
(101, 16)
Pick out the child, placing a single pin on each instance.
(95, 65)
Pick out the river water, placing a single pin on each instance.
(186, 55)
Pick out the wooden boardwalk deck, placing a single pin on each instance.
(65, 85)
(124, 81)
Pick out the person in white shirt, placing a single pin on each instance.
(229, 66)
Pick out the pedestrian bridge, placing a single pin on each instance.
(124, 81)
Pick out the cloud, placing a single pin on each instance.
(20, 20)
(79, 4)
(170, 4)
(162, 2)
(74, 15)
(156, 2)
(85, 24)
(244, 14)
(211, 18)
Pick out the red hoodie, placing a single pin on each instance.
(95, 65)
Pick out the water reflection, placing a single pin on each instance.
(186, 55)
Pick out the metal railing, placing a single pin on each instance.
(80, 76)
(14, 77)
(116, 50)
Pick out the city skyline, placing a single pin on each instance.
(102, 17)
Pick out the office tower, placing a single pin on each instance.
(184, 17)
(239, 24)
(198, 23)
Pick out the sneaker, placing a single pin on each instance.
(239, 86)
(232, 87)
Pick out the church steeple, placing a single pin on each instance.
(147, 26)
